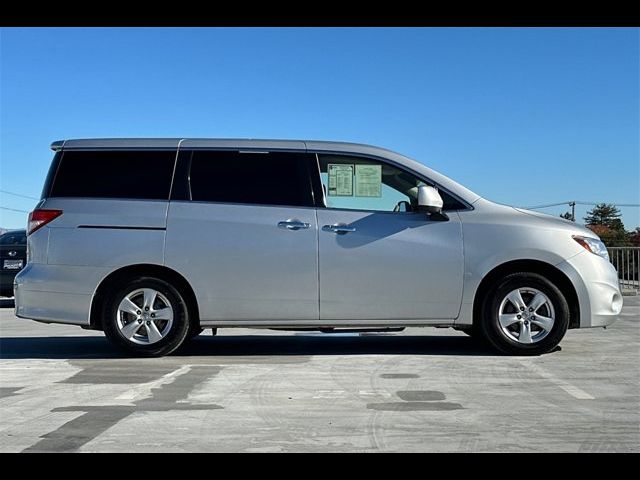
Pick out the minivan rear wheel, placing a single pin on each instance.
(525, 314)
(146, 317)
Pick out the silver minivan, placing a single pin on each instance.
(153, 240)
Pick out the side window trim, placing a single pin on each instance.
(315, 174)
(173, 173)
(467, 205)
(180, 188)
(309, 178)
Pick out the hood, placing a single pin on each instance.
(558, 221)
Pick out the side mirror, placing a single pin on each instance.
(430, 201)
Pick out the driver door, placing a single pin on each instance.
(376, 263)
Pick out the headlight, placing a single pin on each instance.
(593, 245)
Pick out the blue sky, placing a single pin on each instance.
(523, 116)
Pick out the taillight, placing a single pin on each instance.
(40, 217)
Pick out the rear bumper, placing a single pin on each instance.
(54, 307)
(56, 293)
(596, 283)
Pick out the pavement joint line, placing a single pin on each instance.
(564, 385)
(144, 390)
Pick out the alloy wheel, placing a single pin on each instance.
(526, 315)
(144, 316)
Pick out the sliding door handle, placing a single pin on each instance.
(293, 224)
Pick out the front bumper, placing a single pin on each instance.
(597, 287)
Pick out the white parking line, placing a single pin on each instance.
(330, 394)
(566, 386)
(144, 389)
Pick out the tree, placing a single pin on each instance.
(566, 216)
(634, 238)
(604, 220)
(603, 214)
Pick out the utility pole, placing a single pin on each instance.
(573, 210)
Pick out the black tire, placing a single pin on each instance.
(493, 331)
(176, 332)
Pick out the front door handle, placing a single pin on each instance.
(293, 224)
(339, 228)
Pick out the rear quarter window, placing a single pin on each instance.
(113, 174)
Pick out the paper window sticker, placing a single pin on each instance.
(340, 180)
(368, 180)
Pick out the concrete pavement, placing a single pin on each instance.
(65, 389)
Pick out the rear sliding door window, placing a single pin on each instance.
(256, 178)
(114, 174)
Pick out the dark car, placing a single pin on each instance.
(13, 257)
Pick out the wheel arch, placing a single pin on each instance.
(138, 270)
(534, 266)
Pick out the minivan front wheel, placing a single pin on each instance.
(525, 314)
(146, 317)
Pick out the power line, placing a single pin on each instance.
(19, 195)
(578, 202)
(14, 209)
(611, 203)
(548, 205)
